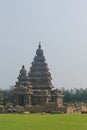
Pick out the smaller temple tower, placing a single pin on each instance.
(23, 89)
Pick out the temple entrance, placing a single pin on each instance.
(21, 100)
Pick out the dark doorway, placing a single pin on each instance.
(21, 100)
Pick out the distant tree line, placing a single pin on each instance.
(6, 96)
(70, 95)
(75, 95)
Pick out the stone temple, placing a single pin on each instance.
(35, 90)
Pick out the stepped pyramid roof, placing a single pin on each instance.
(23, 79)
(39, 74)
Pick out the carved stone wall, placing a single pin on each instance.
(35, 89)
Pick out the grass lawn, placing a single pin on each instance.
(43, 122)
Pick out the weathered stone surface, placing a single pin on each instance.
(23, 89)
(35, 89)
(39, 74)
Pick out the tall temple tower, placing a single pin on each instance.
(40, 79)
(39, 74)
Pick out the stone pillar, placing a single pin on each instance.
(47, 99)
(29, 96)
(25, 100)
(59, 101)
(16, 100)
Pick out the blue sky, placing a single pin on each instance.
(61, 26)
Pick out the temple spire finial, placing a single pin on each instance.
(39, 45)
(23, 66)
